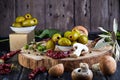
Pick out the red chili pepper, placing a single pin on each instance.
(9, 55)
(5, 68)
(35, 71)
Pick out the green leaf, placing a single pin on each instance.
(48, 33)
(101, 43)
(4, 40)
(103, 30)
(115, 26)
(104, 36)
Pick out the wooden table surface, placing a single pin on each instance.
(21, 73)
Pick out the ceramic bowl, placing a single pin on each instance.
(64, 48)
(22, 29)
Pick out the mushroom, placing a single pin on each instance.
(108, 65)
(81, 29)
(82, 73)
(56, 70)
(78, 48)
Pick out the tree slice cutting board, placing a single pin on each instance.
(32, 61)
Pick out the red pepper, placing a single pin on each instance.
(9, 55)
(5, 68)
(35, 71)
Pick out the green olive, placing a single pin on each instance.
(28, 23)
(20, 19)
(28, 16)
(35, 21)
(16, 24)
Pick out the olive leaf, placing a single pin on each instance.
(103, 30)
(105, 36)
(4, 40)
(101, 43)
(115, 26)
(113, 40)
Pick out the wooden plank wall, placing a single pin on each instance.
(61, 14)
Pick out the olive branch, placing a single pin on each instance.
(111, 40)
(4, 40)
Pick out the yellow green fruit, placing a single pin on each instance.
(50, 44)
(16, 24)
(56, 37)
(64, 42)
(35, 21)
(67, 33)
(28, 16)
(74, 42)
(73, 36)
(83, 39)
(28, 22)
(76, 30)
(20, 19)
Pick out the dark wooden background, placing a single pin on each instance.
(61, 14)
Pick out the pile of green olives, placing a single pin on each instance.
(25, 21)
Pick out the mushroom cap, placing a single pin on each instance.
(77, 74)
(56, 70)
(81, 29)
(108, 65)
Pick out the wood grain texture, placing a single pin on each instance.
(21, 73)
(114, 12)
(37, 9)
(7, 15)
(22, 7)
(99, 14)
(69, 63)
(59, 14)
(82, 13)
(14, 74)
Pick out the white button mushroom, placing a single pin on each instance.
(78, 48)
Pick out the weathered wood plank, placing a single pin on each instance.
(99, 14)
(7, 15)
(24, 74)
(97, 75)
(59, 14)
(41, 76)
(22, 7)
(82, 13)
(14, 75)
(37, 9)
(114, 9)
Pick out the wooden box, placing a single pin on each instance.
(17, 41)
